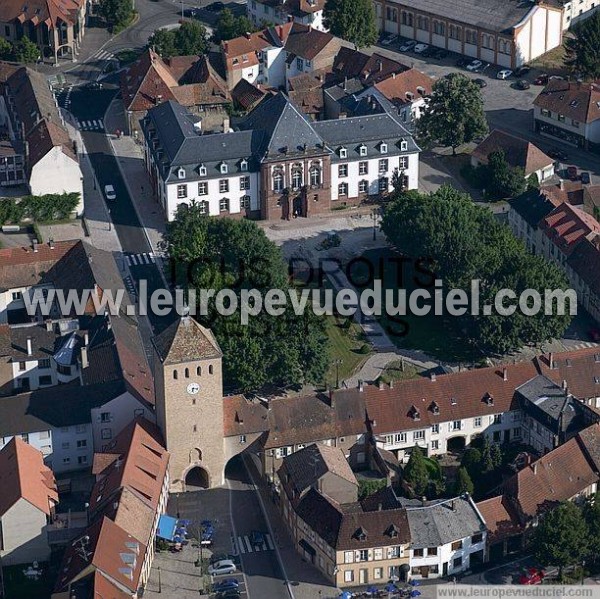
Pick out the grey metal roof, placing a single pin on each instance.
(369, 130)
(285, 130)
(341, 90)
(532, 206)
(443, 522)
(487, 14)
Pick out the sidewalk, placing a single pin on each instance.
(305, 580)
(130, 157)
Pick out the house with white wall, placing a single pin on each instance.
(279, 12)
(447, 537)
(28, 496)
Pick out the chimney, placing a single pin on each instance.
(51, 243)
(433, 377)
(453, 505)
(34, 245)
(379, 506)
(534, 467)
(321, 78)
(423, 501)
(49, 325)
(379, 65)
(86, 339)
(225, 46)
(331, 398)
(565, 386)
(248, 36)
(380, 385)
(505, 374)
(29, 348)
(226, 124)
(84, 357)
(391, 383)
(361, 386)
(345, 83)
(551, 360)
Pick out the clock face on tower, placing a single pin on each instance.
(193, 388)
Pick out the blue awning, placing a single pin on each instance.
(166, 527)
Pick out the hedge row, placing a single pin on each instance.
(38, 208)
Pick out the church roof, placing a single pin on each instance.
(184, 341)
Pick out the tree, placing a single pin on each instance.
(25, 51)
(416, 473)
(162, 41)
(583, 49)
(226, 254)
(117, 13)
(6, 49)
(353, 20)
(368, 486)
(230, 26)
(454, 114)
(561, 537)
(487, 461)
(466, 242)
(502, 180)
(496, 455)
(591, 513)
(463, 483)
(533, 181)
(191, 39)
(471, 461)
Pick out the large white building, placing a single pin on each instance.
(307, 12)
(508, 34)
(278, 164)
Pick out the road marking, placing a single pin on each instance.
(141, 259)
(101, 123)
(245, 546)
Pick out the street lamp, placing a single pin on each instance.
(337, 372)
(374, 215)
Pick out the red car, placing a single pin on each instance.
(572, 173)
(532, 576)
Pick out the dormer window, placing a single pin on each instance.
(223, 168)
(362, 150)
(361, 534)
(421, 90)
(244, 165)
(343, 153)
(403, 145)
(453, 401)
(383, 148)
(414, 413)
(181, 173)
(488, 399)
(410, 96)
(202, 171)
(435, 409)
(392, 531)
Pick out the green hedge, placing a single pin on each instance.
(38, 208)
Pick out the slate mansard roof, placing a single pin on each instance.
(275, 130)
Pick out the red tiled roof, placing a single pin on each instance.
(558, 476)
(24, 475)
(395, 88)
(500, 519)
(371, 69)
(566, 225)
(517, 151)
(577, 101)
(252, 43)
(40, 11)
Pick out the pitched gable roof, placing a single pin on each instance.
(306, 42)
(577, 101)
(517, 151)
(567, 225)
(368, 68)
(23, 475)
(532, 206)
(397, 87)
(50, 12)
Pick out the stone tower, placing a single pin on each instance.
(189, 403)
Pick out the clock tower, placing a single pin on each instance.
(189, 403)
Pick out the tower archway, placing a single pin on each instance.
(196, 479)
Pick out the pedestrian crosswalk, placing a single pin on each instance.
(91, 125)
(103, 55)
(245, 546)
(130, 285)
(141, 259)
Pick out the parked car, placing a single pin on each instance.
(556, 78)
(504, 74)
(440, 53)
(532, 576)
(225, 566)
(229, 594)
(388, 40)
(557, 154)
(219, 557)
(215, 6)
(522, 84)
(585, 178)
(474, 66)
(462, 62)
(109, 192)
(407, 46)
(520, 71)
(429, 52)
(572, 173)
(541, 79)
(420, 48)
(480, 82)
(226, 585)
